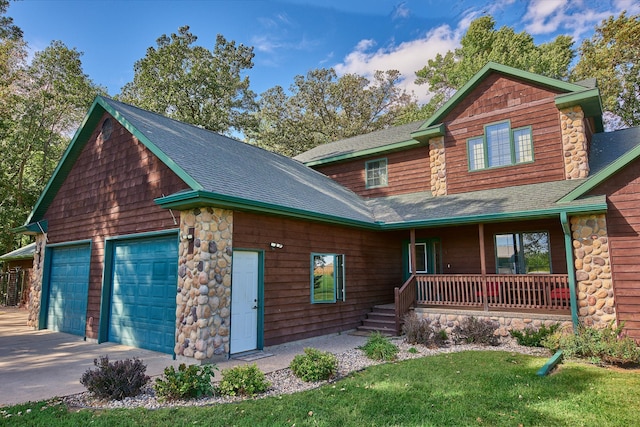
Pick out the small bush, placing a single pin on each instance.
(314, 365)
(115, 380)
(476, 331)
(246, 380)
(379, 347)
(598, 345)
(419, 331)
(533, 338)
(187, 382)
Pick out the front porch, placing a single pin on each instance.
(542, 295)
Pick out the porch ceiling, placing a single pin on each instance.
(518, 202)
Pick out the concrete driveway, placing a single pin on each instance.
(39, 365)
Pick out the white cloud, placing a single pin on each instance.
(545, 16)
(407, 57)
(400, 11)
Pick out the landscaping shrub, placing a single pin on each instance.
(314, 365)
(379, 347)
(598, 345)
(419, 331)
(246, 380)
(476, 331)
(531, 337)
(187, 382)
(115, 380)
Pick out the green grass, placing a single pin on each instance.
(323, 288)
(461, 389)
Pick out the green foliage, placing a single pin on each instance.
(531, 337)
(323, 107)
(379, 347)
(476, 331)
(483, 43)
(245, 380)
(419, 331)
(598, 345)
(611, 57)
(314, 365)
(187, 382)
(194, 84)
(115, 380)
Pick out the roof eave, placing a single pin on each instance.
(364, 153)
(588, 100)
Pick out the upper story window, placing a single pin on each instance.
(500, 146)
(376, 173)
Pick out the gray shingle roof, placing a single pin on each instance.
(358, 143)
(232, 168)
(25, 252)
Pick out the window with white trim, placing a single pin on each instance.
(376, 173)
(327, 278)
(500, 146)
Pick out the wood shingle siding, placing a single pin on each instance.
(109, 192)
(373, 269)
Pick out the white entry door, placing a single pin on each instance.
(244, 301)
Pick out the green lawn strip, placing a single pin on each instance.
(470, 388)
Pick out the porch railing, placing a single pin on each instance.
(495, 291)
(405, 297)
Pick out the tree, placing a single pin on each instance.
(483, 43)
(48, 99)
(193, 84)
(324, 108)
(611, 56)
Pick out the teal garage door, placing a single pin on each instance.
(68, 289)
(143, 293)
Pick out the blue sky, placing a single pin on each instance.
(294, 36)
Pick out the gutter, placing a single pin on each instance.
(571, 272)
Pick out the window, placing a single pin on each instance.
(500, 146)
(523, 253)
(376, 173)
(421, 258)
(327, 278)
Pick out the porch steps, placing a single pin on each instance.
(382, 318)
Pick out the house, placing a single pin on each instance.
(510, 202)
(14, 276)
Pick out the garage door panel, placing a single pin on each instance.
(68, 289)
(143, 293)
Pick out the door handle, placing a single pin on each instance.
(255, 307)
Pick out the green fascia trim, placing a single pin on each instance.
(78, 142)
(588, 100)
(368, 152)
(194, 199)
(503, 69)
(33, 228)
(597, 179)
(431, 132)
(499, 217)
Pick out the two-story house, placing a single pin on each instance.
(510, 202)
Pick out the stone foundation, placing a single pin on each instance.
(203, 301)
(438, 166)
(574, 143)
(596, 302)
(35, 282)
(449, 319)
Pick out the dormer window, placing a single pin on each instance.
(376, 173)
(500, 146)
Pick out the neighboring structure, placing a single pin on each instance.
(510, 203)
(15, 275)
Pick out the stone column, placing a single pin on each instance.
(203, 302)
(438, 166)
(596, 302)
(35, 282)
(574, 143)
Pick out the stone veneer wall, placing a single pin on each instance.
(574, 143)
(35, 282)
(596, 302)
(203, 301)
(449, 319)
(438, 166)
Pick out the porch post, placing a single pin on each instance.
(483, 267)
(412, 249)
(571, 272)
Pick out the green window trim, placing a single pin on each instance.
(492, 149)
(376, 173)
(327, 278)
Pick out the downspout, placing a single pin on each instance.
(571, 271)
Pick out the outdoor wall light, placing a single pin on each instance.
(187, 237)
(275, 245)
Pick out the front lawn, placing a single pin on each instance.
(473, 388)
